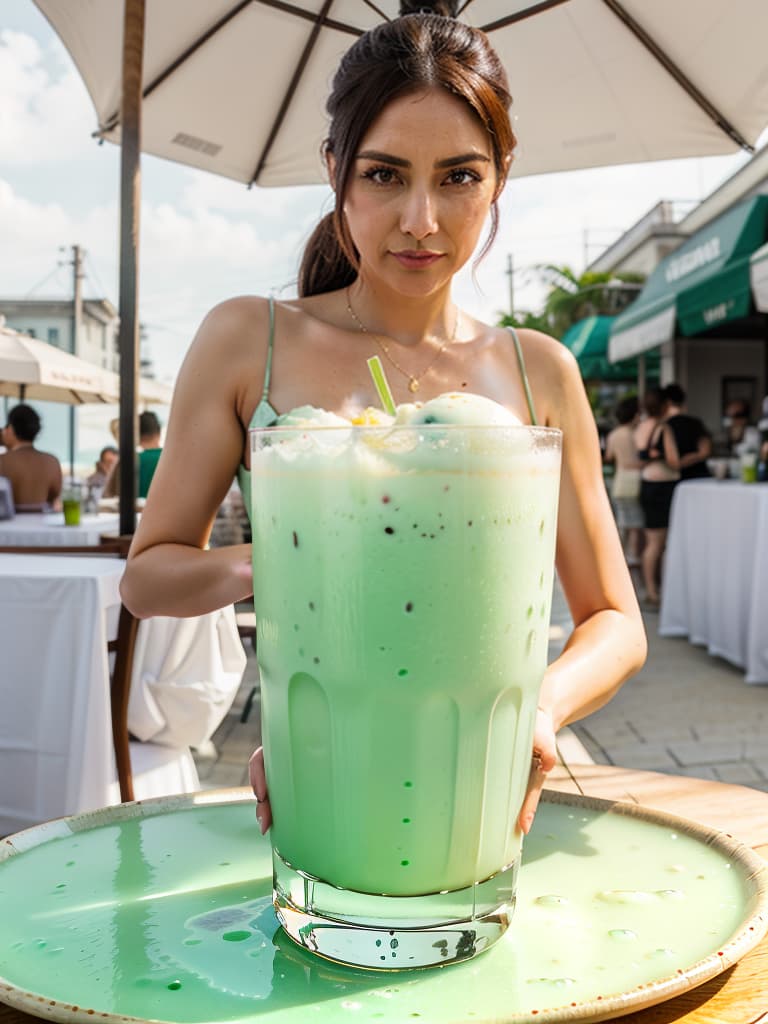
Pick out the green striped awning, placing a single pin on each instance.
(702, 284)
(588, 341)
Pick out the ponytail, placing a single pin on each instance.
(325, 266)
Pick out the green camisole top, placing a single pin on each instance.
(264, 415)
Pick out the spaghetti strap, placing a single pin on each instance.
(270, 347)
(524, 375)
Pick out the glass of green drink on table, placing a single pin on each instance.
(402, 582)
(71, 504)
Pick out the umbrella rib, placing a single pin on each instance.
(526, 12)
(113, 121)
(381, 14)
(292, 86)
(680, 77)
(337, 26)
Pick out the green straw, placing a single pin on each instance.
(382, 387)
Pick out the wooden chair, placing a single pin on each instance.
(123, 648)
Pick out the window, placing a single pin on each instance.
(53, 335)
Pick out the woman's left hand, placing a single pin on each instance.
(543, 761)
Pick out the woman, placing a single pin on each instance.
(656, 487)
(418, 151)
(625, 484)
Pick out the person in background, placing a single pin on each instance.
(687, 443)
(625, 484)
(149, 442)
(650, 417)
(105, 463)
(656, 488)
(146, 460)
(734, 423)
(35, 476)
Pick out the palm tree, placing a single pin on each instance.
(573, 297)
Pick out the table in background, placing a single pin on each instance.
(47, 529)
(736, 996)
(715, 580)
(56, 754)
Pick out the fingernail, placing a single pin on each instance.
(526, 823)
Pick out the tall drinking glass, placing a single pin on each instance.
(402, 582)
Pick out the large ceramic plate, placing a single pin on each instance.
(161, 911)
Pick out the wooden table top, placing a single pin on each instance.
(739, 995)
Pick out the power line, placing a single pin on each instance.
(45, 280)
(90, 271)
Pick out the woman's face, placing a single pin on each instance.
(420, 189)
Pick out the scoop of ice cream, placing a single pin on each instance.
(460, 408)
(311, 416)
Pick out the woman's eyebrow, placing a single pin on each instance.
(397, 161)
(465, 158)
(384, 158)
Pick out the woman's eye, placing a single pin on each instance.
(380, 175)
(462, 176)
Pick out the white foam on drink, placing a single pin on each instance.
(436, 435)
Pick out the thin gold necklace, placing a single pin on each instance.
(414, 382)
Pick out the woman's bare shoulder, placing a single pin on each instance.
(230, 319)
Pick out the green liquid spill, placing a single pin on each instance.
(193, 937)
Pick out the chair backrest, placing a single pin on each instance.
(120, 691)
(123, 648)
(109, 547)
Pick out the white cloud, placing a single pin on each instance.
(45, 114)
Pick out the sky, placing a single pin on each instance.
(204, 238)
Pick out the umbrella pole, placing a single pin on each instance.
(130, 199)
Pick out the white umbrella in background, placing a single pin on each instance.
(32, 370)
(237, 87)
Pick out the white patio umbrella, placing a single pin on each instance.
(237, 87)
(33, 370)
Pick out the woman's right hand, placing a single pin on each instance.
(258, 782)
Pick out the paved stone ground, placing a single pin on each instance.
(685, 713)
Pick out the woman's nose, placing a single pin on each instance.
(419, 215)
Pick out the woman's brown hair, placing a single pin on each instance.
(412, 53)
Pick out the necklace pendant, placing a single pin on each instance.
(413, 385)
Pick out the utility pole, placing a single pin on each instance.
(511, 277)
(77, 323)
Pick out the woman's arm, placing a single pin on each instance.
(608, 643)
(168, 570)
(677, 461)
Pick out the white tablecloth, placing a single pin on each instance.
(56, 754)
(38, 529)
(715, 581)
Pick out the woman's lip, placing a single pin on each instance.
(416, 258)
